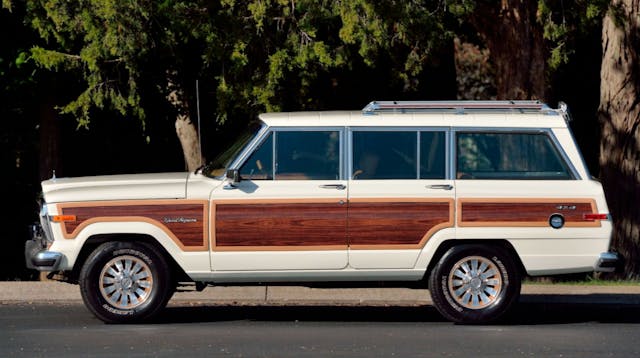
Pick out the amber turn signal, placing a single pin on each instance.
(63, 218)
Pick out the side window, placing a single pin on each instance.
(307, 155)
(384, 155)
(508, 156)
(432, 155)
(298, 155)
(259, 166)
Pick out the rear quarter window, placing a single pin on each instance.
(509, 156)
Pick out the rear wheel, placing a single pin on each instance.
(474, 284)
(125, 282)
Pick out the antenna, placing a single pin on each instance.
(198, 114)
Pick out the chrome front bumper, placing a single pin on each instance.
(36, 255)
(608, 262)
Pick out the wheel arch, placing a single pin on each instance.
(94, 241)
(448, 244)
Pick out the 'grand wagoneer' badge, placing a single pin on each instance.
(179, 220)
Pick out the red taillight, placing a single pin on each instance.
(594, 217)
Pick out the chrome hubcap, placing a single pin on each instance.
(126, 282)
(475, 282)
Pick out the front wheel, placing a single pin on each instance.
(124, 282)
(474, 284)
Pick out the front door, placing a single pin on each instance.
(289, 211)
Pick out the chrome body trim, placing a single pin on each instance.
(45, 224)
(46, 260)
(36, 255)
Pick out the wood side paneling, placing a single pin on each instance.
(378, 224)
(521, 212)
(185, 222)
(281, 224)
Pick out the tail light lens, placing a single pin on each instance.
(596, 216)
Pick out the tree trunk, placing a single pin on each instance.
(190, 142)
(517, 50)
(619, 114)
(186, 130)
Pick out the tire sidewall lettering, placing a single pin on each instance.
(446, 302)
(117, 311)
(447, 295)
(132, 252)
(503, 271)
(90, 282)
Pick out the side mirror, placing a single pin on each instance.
(233, 175)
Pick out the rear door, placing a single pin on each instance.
(399, 195)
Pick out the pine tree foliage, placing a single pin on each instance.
(254, 51)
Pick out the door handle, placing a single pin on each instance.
(440, 186)
(334, 186)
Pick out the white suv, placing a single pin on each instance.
(462, 197)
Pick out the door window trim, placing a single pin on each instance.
(274, 130)
(447, 147)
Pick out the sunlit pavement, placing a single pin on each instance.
(23, 291)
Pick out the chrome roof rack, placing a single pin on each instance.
(457, 107)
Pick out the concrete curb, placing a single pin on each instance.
(31, 292)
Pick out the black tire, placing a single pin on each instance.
(474, 284)
(124, 282)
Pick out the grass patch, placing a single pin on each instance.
(589, 279)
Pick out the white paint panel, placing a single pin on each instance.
(310, 275)
(358, 119)
(558, 264)
(558, 256)
(278, 260)
(383, 259)
(280, 190)
(116, 187)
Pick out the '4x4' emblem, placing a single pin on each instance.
(566, 207)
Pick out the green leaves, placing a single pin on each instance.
(258, 54)
(564, 22)
(102, 41)
(21, 59)
(54, 60)
(362, 25)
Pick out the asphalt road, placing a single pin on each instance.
(537, 328)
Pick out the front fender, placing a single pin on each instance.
(188, 260)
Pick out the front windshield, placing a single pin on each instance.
(218, 166)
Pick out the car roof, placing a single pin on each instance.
(487, 119)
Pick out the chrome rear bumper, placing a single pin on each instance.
(608, 262)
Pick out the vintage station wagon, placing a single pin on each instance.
(462, 197)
